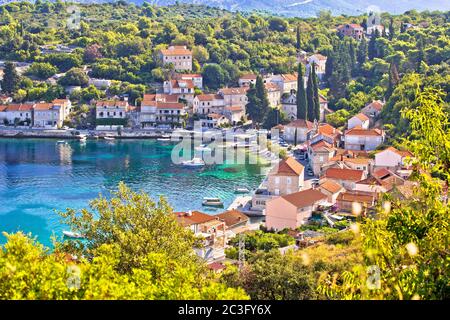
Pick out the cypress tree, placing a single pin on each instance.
(372, 50)
(298, 44)
(329, 66)
(263, 100)
(310, 97)
(391, 29)
(11, 78)
(362, 52)
(316, 99)
(302, 105)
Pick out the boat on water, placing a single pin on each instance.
(61, 142)
(82, 138)
(212, 202)
(241, 190)
(164, 137)
(73, 235)
(195, 162)
(203, 147)
(109, 138)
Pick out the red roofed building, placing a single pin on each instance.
(373, 109)
(286, 177)
(204, 104)
(356, 31)
(356, 202)
(293, 210)
(247, 79)
(179, 56)
(183, 88)
(18, 114)
(358, 121)
(161, 109)
(345, 177)
(363, 139)
(391, 158)
(196, 78)
(299, 131)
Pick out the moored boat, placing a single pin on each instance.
(212, 202)
(195, 162)
(164, 137)
(109, 138)
(241, 190)
(73, 235)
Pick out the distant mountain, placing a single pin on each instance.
(308, 8)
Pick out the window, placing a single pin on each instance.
(289, 180)
(277, 192)
(277, 180)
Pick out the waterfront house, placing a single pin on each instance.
(196, 78)
(214, 120)
(172, 114)
(391, 158)
(3, 114)
(358, 121)
(204, 104)
(18, 114)
(331, 189)
(293, 210)
(184, 89)
(234, 220)
(48, 115)
(111, 112)
(299, 131)
(345, 177)
(179, 56)
(356, 31)
(352, 201)
(363, 139)
(286, 177)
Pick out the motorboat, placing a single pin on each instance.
(61, 142)
(241, 190)
(82, 138)
(195, 162)
(212, 202)
(164, 137)
(203, 147)
(109, 138)
(73, 235)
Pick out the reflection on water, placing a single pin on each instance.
(39, 176)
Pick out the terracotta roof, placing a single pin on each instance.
(209, 97)
(288, 166)
(344, 174)
(331, 186)
(195, 217)
(319, 56)
(248, 76)
(399, 152)
(321, 145)
(357, 160)
(301, 123)
(271, 86)
(169, 105)
(290, 76)
(232, 217)
(111, 103)
(215, 115)
(361, 117)
(43, 106)
(351, 25)
(358, 131)
(377, 104)
(152, 99)
(355, 196)
(176, 51)
(234, 108)
(2, 108)
(381, 173)
(216, 266)
(182, 84)
(19, 107)
(232, 91)
(304, 198)
(327, 129)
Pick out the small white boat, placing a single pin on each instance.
(241, 190)
(73, 235)
(109, 138)
(203, 147)
(83, 138)
(61, 142)
(195, 162)
(212, 202)
(164, 137)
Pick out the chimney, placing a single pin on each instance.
(189, 213)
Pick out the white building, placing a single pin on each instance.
(363, 139)
(48, 115)
(111, 109)
(161, 109)
(360, 120)
(17, 113)
(320, 62)
(299, 131)
(204, 104)
(179, 56)
(197, 79)
(183, 88)
(214, 120)
(273, 94)
(391, 158)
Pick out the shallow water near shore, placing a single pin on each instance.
(39, 177)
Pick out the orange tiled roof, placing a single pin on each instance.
(399, 152)
(328, 129)
(344, 174)
(209, 97)
(358, 131)
(354, 196)
(19, 107)
(176, 51)
(111, 103)
(248, 76)
(179, 84)
(232, 91)
(43, 106)
(288, 166)
(304, 198)
(232, 217)
(331, 186)
(377, 104)
(196, 217)
(362, 117)
(169, 105)
(301, 123)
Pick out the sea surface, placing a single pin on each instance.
(39, 177)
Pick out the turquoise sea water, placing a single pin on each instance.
(39, 177)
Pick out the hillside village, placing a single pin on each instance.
(337, 173)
